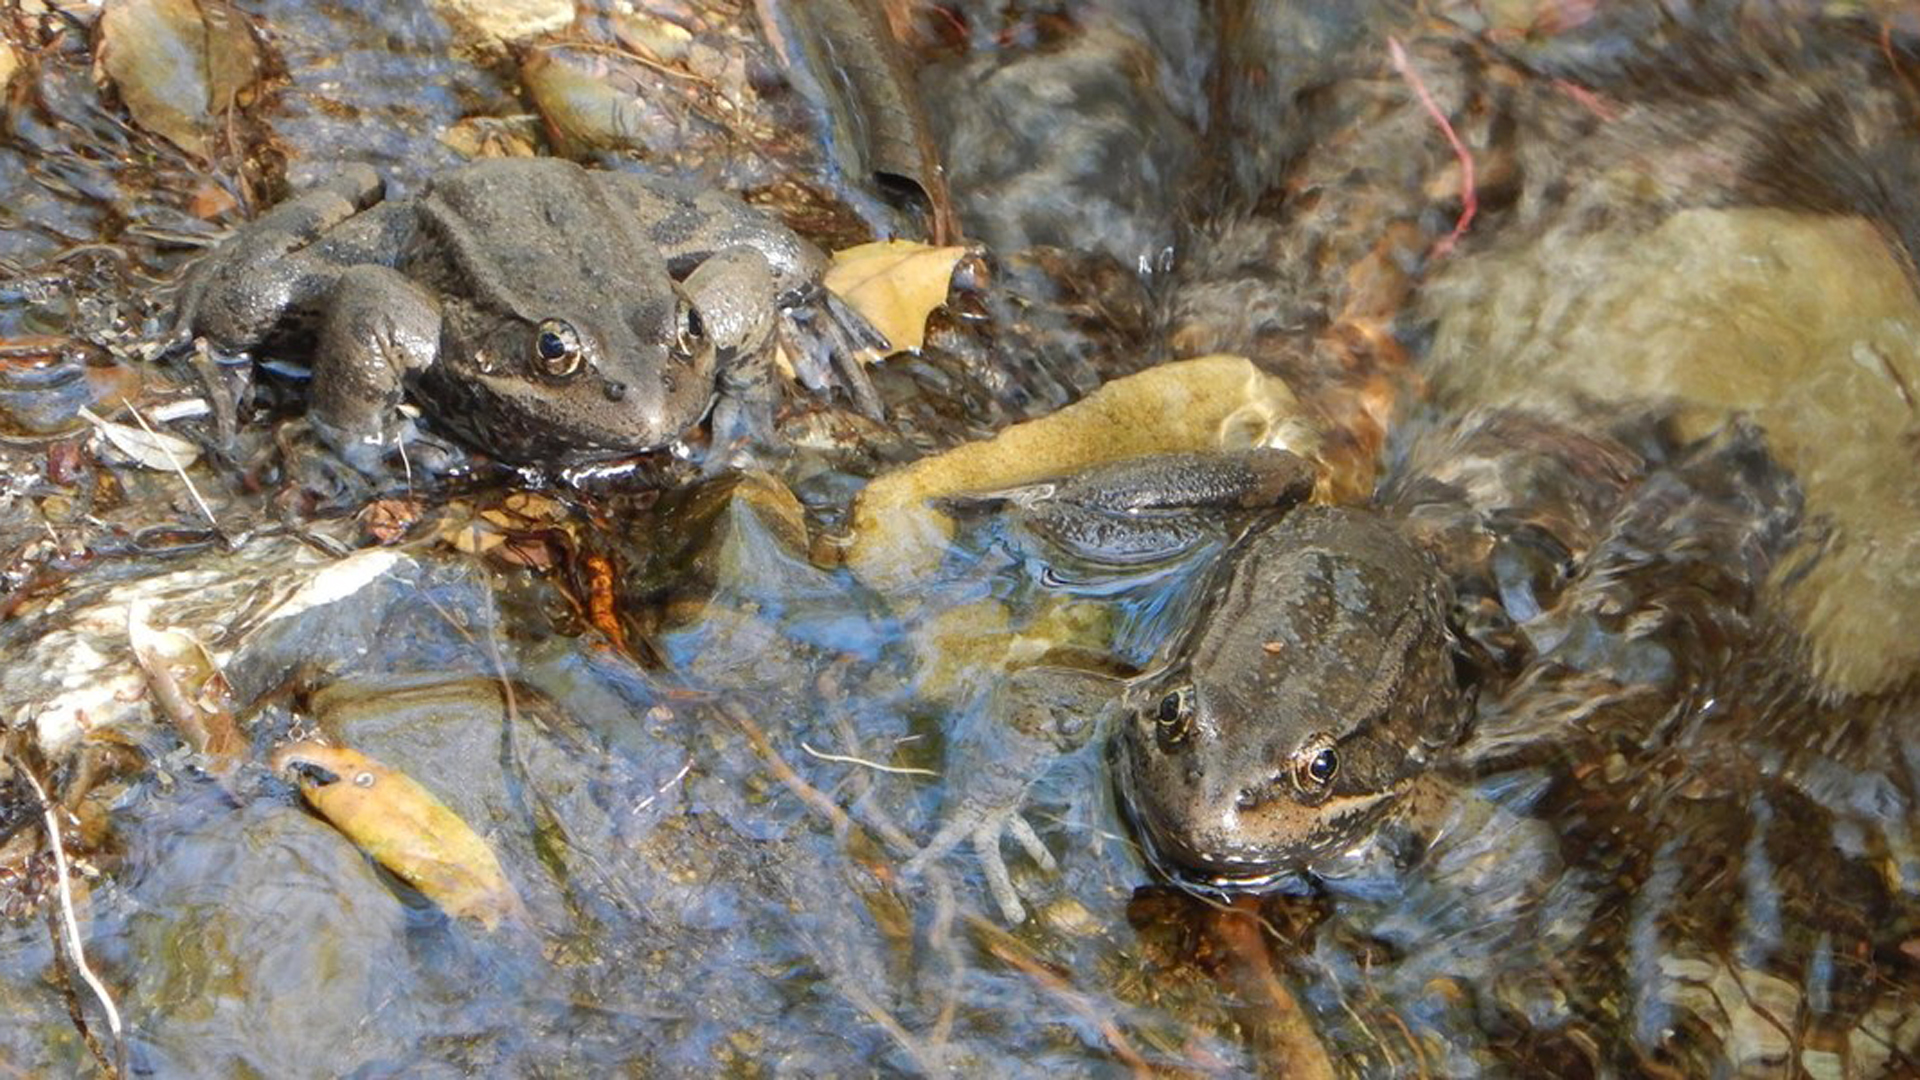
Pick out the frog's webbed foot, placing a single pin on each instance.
(1033, 719)
(986, 825)
(833, 343)
(1144, 510)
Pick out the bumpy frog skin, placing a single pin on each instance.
(542, 312)
(1316, 684)
(1307, 701)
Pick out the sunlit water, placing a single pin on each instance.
(1680, 840)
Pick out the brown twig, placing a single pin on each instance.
(783, 772)
(1289, 1031)
(1009, 949)
(1469, 200)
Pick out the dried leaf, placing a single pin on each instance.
(493, 136)
(592, 100)
(150, 449)
(896, 284)
(650, 34)
(178, 64)
(404, 828)
(534, 507)
(387, 520)
(473, 537)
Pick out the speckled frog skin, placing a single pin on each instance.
(1316, 684)
(541, 312)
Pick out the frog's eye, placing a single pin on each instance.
(690, 330)
(1315, 764)
(556, 349)
(1173, 716)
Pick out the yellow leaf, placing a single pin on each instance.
(405, 829)
(896, 284)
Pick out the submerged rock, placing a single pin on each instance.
(1806, 323)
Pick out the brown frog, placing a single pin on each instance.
(539, 311)
(1315, 686)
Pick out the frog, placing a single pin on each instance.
(539, 311)
(1309, 692)
(1317, 684)
(1304, 721)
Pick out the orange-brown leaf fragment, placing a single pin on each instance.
(896, 284)
(405, 828)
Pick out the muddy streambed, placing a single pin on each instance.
(1635, 362)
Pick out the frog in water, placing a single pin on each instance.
(1309, 689)
(542, 312)
(1315, 686)
(1310, 714)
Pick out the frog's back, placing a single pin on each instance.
(1325, 590)
(534, 235)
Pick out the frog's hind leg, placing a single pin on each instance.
(379, 328)
(1141, 511)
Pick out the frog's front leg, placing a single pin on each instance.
(1033, 718)
(734, 292)
(1147, 509)
(237, 295)
(379, 328)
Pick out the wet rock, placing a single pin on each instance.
(269, 607)
(272, 925)
(729, 535)
(1807, 323)
(492, 24)
(1076, 148)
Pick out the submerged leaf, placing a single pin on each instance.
(187, 683)
(152, 449)
(896, 284)
(405, 828)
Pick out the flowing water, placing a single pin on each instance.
(1654, 406)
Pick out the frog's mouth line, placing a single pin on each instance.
(1338, 825)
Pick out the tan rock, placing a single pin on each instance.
(490, 24)
(1804, 322)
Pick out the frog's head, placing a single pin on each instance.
(1312, 692)
(598, 377)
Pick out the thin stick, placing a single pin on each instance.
(1469, 201)
(1011, 951)
(177, 467)
(76, 952)
(898, 770)
(782, 771)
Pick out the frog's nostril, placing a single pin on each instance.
(616, 390)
